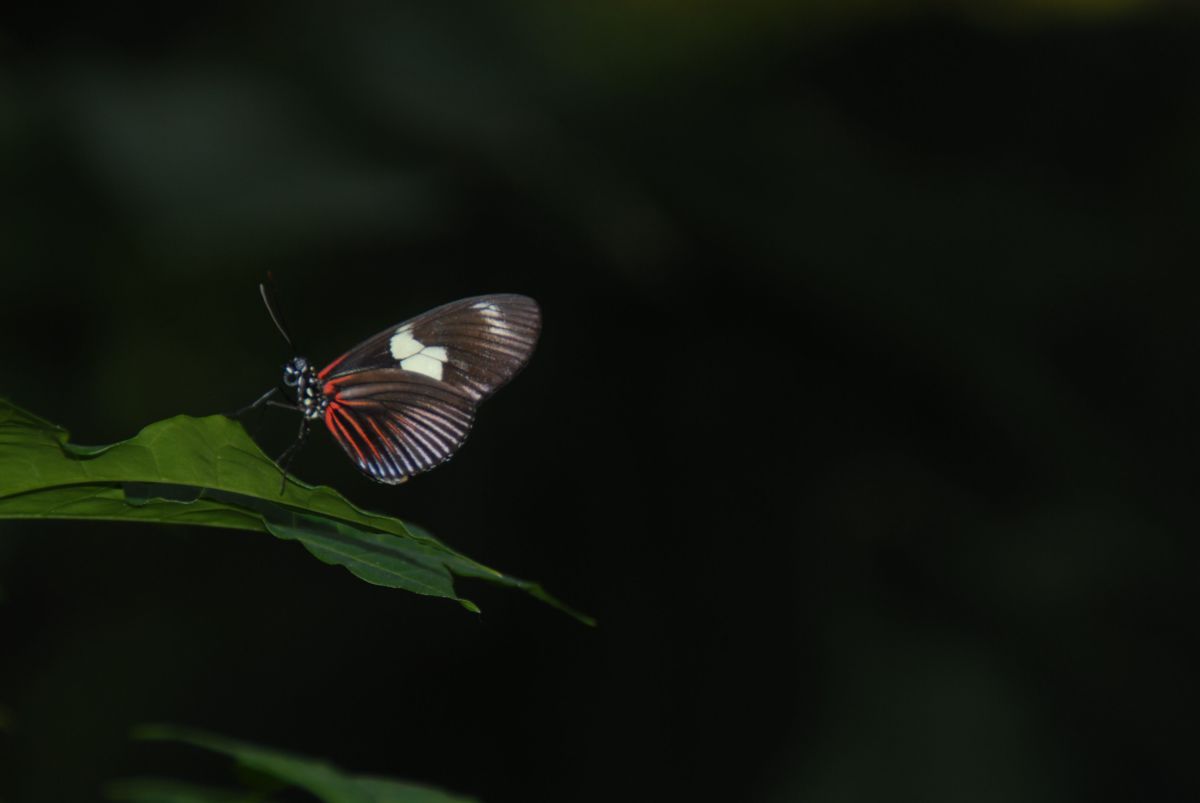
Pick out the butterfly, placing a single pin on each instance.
(403, 401)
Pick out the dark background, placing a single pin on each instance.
(863, 416)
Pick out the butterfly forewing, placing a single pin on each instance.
(403, 401)
(474, 345)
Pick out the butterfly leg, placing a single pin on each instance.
(259, 402)
(285, 459)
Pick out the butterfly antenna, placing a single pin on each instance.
(265, 289)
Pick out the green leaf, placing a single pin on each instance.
(319, 778)
(208, 472)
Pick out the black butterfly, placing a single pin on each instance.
(403, 401)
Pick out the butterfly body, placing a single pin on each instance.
(310, 398)
(402, 402)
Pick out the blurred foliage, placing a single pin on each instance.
(324, 782)
(630, 38)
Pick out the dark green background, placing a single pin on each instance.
(863, 417)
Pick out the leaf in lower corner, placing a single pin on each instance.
(319, 778)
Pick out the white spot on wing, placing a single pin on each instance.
(490, 311)
(403, 345)
(424, 364)
(415, 356)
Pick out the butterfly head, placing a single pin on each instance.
(295, 371)
(310, 398)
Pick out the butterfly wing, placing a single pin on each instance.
(394, 424)
(403, 401)
(474, 346)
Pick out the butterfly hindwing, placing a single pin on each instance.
(403, 401)
(394, 423)
(474, 345)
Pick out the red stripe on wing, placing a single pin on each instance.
(338, 430)
(324, 372)
(354, 422)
